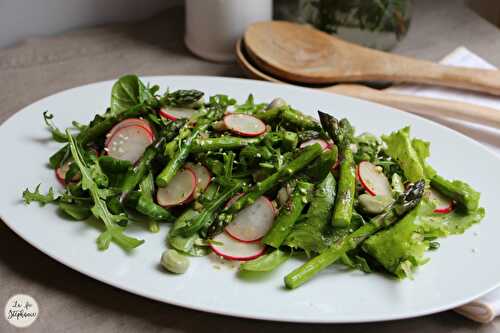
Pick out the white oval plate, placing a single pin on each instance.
(465, 267)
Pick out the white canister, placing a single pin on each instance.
(214, 26)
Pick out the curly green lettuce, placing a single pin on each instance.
(410, 154)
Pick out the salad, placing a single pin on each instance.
(255, 183)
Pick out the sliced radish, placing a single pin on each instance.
(443, 204)
(176, 113)
(244, 124)
(126, 123)
(128, 143)
(179, 190)
(252, 222)
(63, 169)
(321, 142)
(231, 249)
(203, 175)
(61, 173)
(373, 180)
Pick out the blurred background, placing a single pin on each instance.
(21, 19)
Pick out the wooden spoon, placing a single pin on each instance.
(299, 53)
(425, 106)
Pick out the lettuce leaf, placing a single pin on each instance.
(400, 148)
(423, 151)
(401, 249)
(453, 223)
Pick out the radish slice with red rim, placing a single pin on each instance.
(373, 179)
(128, 122)
(61, 173)
(231, 249)
(179, 190)
(128, 143)
(203, 175)
(244, 124)
(62, 170)
(321, 142)
(443, 204)
(252, 222)
(176, 113)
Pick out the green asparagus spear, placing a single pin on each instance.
(254, 154)
(458, 191)
(208, 215)
(289, 140)
(308, 235)
(393, 213)
(282, 175)
(278, 109)
(342, 132)
(223, 142)
(320, 168)
(288, 215)
(309, 154)
(299, 120)
(346, 189)
(182, 98)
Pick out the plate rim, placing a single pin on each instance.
(235, 313)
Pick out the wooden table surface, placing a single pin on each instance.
(72, 302)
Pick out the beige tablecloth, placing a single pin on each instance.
(72, 302)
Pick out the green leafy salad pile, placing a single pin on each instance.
(254, 182)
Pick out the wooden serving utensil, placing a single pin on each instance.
(299, 53)
(425, 106)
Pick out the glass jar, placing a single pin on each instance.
(379, 24)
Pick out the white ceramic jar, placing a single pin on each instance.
(214, 26)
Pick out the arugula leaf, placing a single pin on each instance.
(79, 126)
(222, 100)
(249, 107)
(36, 196)
(100, 210)
(57, 134)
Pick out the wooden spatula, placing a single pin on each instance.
(419, 105)
(299, 53)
